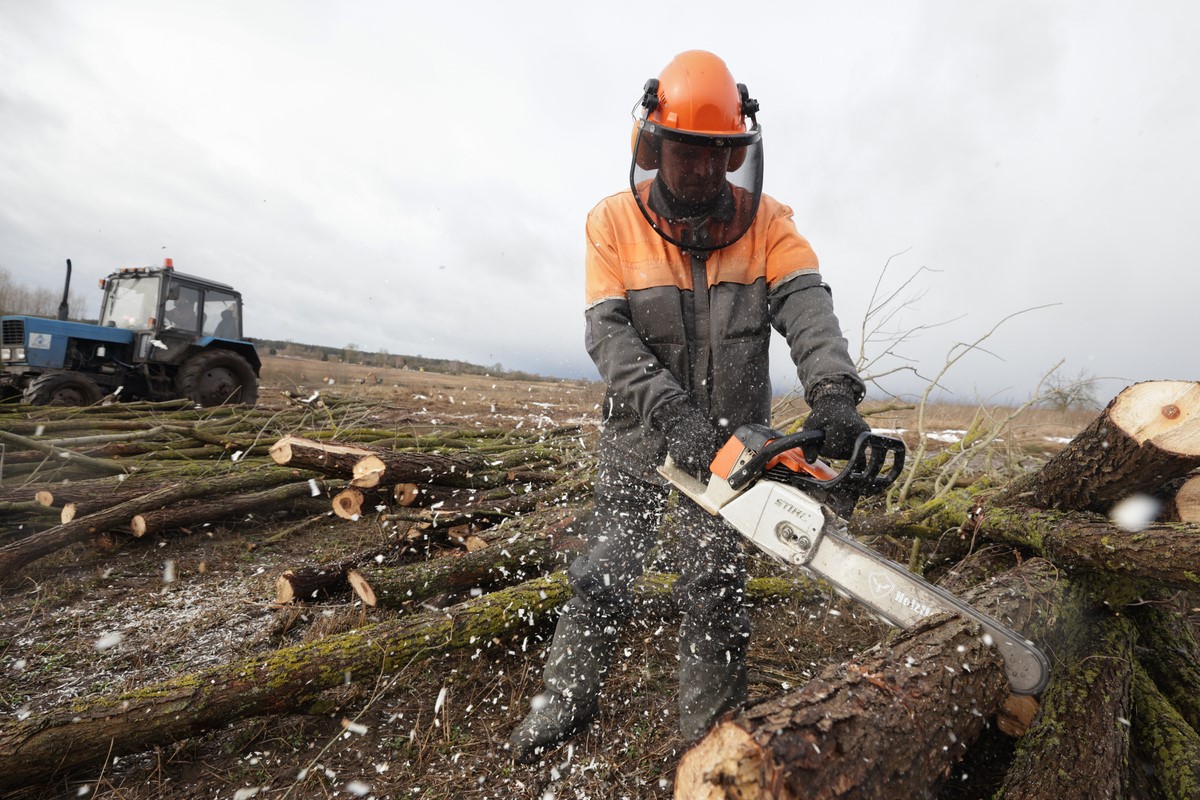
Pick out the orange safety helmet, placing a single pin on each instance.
(696, 110)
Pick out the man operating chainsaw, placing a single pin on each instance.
(687, 271)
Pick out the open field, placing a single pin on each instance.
(103, 617)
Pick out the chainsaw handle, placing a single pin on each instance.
(860, 475)
(807, 441)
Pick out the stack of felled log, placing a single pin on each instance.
(504, 507)
(433, 497)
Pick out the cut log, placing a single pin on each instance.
(20, 553)
(351, 503)
(390, 467)
(328, 458)
(83, 507)
(1091, 699)
(405, 494)
(292, 496)
(501, 563)
(1148, 435)
(1167, 554)
(319, 583)
(59, 453)
(83, 733)
(1187, 500)
(887, 724)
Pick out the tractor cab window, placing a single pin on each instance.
(130, 302)
(221, 317)
(182, 310)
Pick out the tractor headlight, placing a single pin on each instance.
(5, 354)
(12, 354)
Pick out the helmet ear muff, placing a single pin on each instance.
(646, 148)
(736, 158)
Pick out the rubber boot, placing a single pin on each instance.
(706, 691)
(575, 667)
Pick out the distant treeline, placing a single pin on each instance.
(352, 354)
(18, 299)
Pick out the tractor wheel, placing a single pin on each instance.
(216, 377)
(62, 389)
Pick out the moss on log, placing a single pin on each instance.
(1165, 741)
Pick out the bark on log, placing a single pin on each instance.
(18, 554)
(1148, 435)
(887, 724)
(1082, 728)
(86, 732)
(225, 506)
(329, 458)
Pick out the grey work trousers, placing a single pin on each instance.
(715, 626)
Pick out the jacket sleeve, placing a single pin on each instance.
(802, 311)
(629, 368)
(633, 374)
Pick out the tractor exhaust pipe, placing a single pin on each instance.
(63, 310)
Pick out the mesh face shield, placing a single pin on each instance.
(699, 191)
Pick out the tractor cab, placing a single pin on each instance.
(161, 334)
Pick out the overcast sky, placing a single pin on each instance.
(415, 176)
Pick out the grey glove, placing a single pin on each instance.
(691, 438)
(834, 410)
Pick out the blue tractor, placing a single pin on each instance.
(162, 335)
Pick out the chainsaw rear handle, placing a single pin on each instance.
(861, 474)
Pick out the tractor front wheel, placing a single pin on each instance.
(62, 389)
(216, 377)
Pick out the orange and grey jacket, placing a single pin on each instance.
(658, 342)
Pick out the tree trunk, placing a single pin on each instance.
(1148, 434)
(889, 723)
(224, 506)
(83, 733)
(329, 458)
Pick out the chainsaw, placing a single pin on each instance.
(774, 490)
